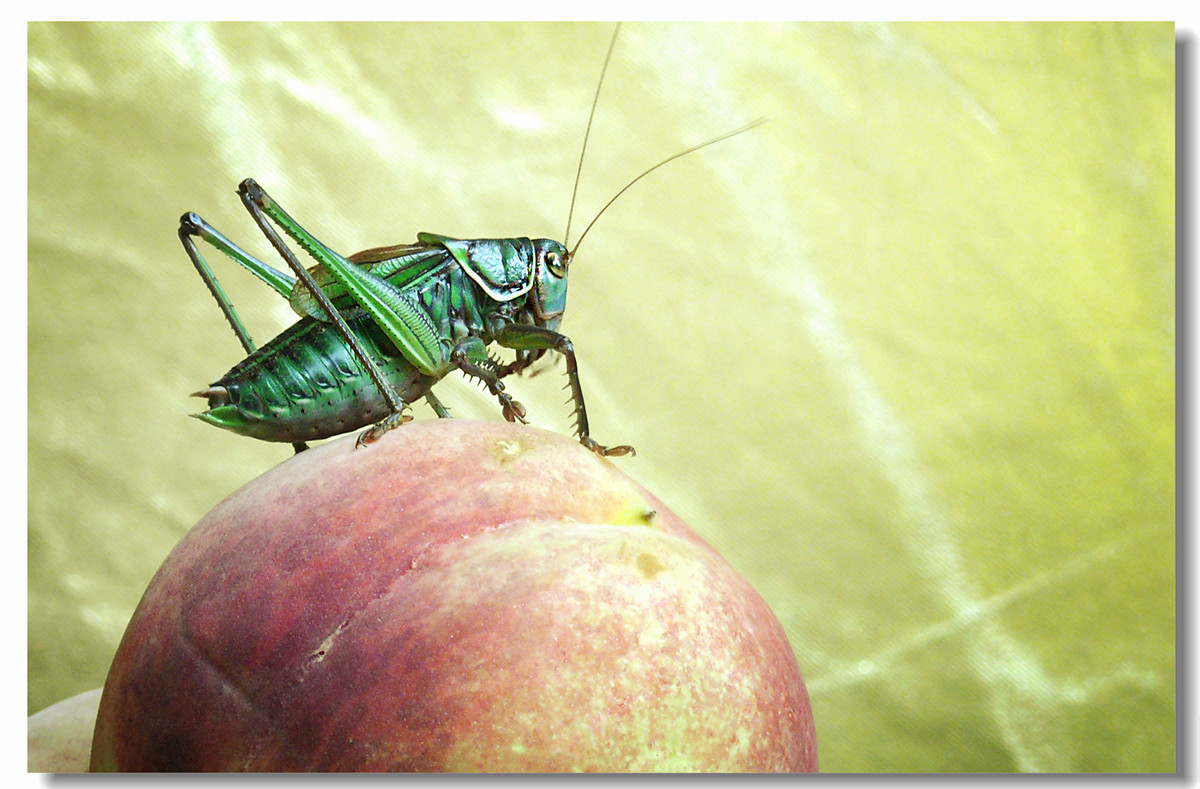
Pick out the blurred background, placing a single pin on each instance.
(904, 355)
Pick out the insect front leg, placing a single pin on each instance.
(522, 337)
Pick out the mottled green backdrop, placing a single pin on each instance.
(905, 354)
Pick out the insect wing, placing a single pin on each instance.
(402, 265)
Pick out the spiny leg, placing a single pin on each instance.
(191, 225)
(517, 365)
(464, 357)
(405, 322)
(256, 199)
(523, 337)
(524, 361)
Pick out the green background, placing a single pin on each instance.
(904, 355)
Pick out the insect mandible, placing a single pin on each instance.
(379, 328)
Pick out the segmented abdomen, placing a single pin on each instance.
(306, 384)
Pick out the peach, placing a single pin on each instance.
(60, 736)
(460, 596)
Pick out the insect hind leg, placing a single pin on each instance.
(265, 210)
(376, 431)
(192, 226)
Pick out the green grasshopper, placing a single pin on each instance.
(379, 328)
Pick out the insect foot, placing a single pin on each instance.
(603, 451)
(513, 411)
(376, 431)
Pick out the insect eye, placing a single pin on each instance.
(556, 264)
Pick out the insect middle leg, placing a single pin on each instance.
(436, 404)
(470, 356)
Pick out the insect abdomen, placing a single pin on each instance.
(306, 384)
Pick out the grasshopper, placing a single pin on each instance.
(379, 328)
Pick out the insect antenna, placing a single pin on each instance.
(693, 149)
(587, 132)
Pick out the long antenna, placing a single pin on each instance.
(693, 149)
(588, 131)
